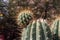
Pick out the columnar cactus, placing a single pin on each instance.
(24, 18)
(37, 30)
(55, 28)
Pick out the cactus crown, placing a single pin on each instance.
(24, 18)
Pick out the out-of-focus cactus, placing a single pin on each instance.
(24, 18)
(55, 28)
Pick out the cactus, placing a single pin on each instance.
(55, 29)
(36, 30)
(24, 18)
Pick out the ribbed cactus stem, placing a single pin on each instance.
(56, 28)
(36, 30)
(24, 32)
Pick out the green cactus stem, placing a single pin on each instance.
(55, 29)
(37, 30)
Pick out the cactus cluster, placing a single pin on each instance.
(35, 29)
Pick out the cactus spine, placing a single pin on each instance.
(36, 30)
